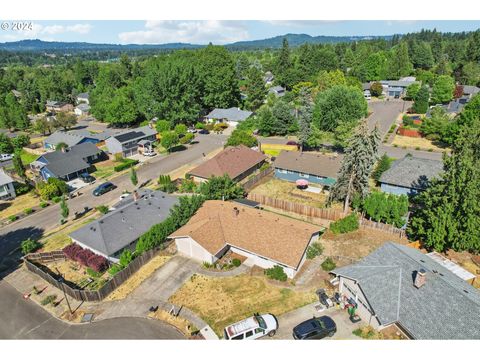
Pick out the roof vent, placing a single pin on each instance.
(123, 219)
(420, 278)
(465, 291)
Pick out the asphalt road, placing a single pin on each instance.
(37, 224)
(22, 319)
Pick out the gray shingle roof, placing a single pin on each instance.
(4, 178)
(309, 163)
(232, 114)
(83, 107)
(63, 163)
(67, 165)
(83, 95)
(134, 134)
(412, 172)
(398, 83)
(470, 90)
(62, 136)
(124, 225)
(446, 307)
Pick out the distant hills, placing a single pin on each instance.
(274, 42)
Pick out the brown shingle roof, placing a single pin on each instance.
(309, 163)
(233, 161)
(273, 236)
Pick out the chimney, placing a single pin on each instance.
(235, 211)
(420, 278)
(135, 195)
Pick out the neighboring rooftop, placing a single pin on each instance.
(66, 137)
(83, 96)
(470, 90)
(232, 114)
(100, 136)
(83, 150)
(275, 237)
(83, 107)
(4, 178)
(412, 172)
(134, 134)
(124, 225)
(233, 161)
(309, 163)
(445, 307)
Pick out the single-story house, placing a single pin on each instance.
(95, 138)
(69, 163)
(231, 116)
(69, 138)
(264, 238)
(7, 190)
(469, 90)
(126, 143)
(278, 90)
(397, 87)
(122, 227)
(236, 161)
(268, 78)
(409, 175)
(82, 109)
(314, 167)
(58, 106)
(397, 285)
(83, 98)
(453, 108)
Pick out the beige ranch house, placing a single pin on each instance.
(264, 238)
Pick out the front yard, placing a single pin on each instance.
(221, 301)
(19, 204)
(285, 190)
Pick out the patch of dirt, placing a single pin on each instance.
(180, 323)
(467, 261)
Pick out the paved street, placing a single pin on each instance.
(22, 319)
(37, 224)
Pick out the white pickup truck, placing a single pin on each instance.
(252, 328)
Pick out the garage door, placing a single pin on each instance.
(192, 249)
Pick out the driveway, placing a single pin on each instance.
(288, 321)
(385, 113)
(22, 319)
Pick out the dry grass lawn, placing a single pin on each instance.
(70, 270)
(414, 143)
(222, 301)
(57, 239)
(285, 190)
(180, 323)
(17, 205)
(136, 279)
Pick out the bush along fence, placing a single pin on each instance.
(365, 223)
(248, 185)
(323, 213)
(34, 263)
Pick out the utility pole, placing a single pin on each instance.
(61, 281)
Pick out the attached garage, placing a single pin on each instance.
(189, 247)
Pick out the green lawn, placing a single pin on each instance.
(27, 158)
(103, 172)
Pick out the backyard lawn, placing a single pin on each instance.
(221, 301)
(285, 190)
(416, 143)
(27, 158)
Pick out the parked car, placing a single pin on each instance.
(103, 188)
(86, 177)
(204, 132)
(5, 157)
(123, 196)
(292, 143)
(192, 130)
(149, 153)
(252, 328)
(315, 328)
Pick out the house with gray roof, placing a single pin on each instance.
(120, 229)
(126, 143)
(58, 137)
(231, 116)
(83, 98)
(409, 175)
(470, 90)
(313, 167)
(7, 190)
(69, 163)
(82, 109)
(397, 285)
(278, 90)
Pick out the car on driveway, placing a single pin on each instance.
(86, 177)
(204, 132)
(5, 157)
(103, 188)
(315, 328)
(252, 328)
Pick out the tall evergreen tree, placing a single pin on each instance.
(305, 118)
(400, 64)
(360, 157)
(256, 91)
(284, 64)
(18, 165)
(447, 213)
(420, 106)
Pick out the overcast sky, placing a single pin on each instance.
(215, 31)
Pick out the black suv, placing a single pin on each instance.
(103, 188)
(86, 177)
(315, 328)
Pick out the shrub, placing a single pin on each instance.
(417, 147)
(383, 165)
(114, 269)
(199, 126)
(48, 299)
(207, 265)
(102, 209)
(125, 164)
(71, 251)
(187, 138)
(328, 264)
(236, 262)
(29, 245)
(12, 218)
(56, 199)
(83, 256)
(93, 273)
(43, 204)
(21, 188)
(188, 186)
(126, 258)
(383, 207)
(314, 250)
(276, 273)
(347, 224)
(97, 263)
(118, 157)
(27, 211)
(166, 184)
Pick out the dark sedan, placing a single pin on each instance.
(103, 188)
(315, 328)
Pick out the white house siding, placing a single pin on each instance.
(7, 192)
(189, 247)
(114, 146)
(262, 262)
(198, 180)
(350, 289)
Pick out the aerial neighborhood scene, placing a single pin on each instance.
(288, 187)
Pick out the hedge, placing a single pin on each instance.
(276, 273)
(86, 257)
(125, 164)
(347, 224)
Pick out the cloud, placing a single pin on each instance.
(195, 32)
(301, 23)
(46, 32)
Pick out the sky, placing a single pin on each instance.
(216, 31)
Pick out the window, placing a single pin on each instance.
(281, 171)
(249, 333)
(303, 175)
(259, 330)
(238, 337)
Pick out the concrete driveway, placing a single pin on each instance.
(288, 321)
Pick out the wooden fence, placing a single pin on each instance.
(34, 264)
(248, 185)
(365, 223)
(297, 208)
